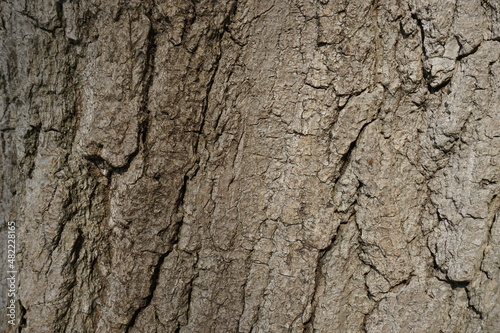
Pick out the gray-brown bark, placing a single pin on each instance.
(252, 166)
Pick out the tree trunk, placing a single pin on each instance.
(251, 166)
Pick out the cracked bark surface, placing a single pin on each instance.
(252, 166)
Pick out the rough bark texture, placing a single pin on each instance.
(252, 166)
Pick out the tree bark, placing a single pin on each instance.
(251, 166)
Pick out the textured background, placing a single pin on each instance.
(252, 166)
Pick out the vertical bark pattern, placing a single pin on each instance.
(252, 166)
